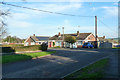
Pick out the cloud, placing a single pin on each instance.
(62, 0)
(59, 7)
(111, 11)
(108, 32)
(19, 16)
(19, 24)
(115, 3)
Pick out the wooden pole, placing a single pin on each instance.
(96, 32)
(63, 36)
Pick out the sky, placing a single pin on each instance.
(24, 22)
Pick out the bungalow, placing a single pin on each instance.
(36, 40)
(57, 40)
(108, 43)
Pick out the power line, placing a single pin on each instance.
(52, 12)
(42, 10)
(106, 25)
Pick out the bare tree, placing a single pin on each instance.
(3, 29)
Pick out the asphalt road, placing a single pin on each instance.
(56, 65)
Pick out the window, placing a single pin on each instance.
(26, 43)
(79, 42)
(32, 43)
(39, 42)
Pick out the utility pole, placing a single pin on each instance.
(96, 32)
(63, 36)
(78, 28)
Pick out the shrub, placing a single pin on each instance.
(7, 49)
(28, 48)
(22, 48)
(44, 47)
(57, 47)
(12, 45)
(53, 43)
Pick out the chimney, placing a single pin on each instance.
(103, 37)
(59, 34)
(77, 33)
(33, 34)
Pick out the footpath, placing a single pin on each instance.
(112, 69)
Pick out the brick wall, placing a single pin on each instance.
(91, 38)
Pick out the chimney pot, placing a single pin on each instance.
(59, 34)
(33, 34)
(77, 33)
(103, 37)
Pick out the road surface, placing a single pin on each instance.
(57, 65)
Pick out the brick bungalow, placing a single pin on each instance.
(57, 40)
(36, 40)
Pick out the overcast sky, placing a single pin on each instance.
(24, 22)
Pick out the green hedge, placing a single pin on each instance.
(28, 48)
(57, 47)
(23, 48)
(12, 45)
(7, 49)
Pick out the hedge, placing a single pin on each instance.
(12, 45)
(22, 48)
(7, 49)
(28, 48)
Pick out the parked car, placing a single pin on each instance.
(87, 45)
(117, 46)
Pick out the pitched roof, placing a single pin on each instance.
(39, 38)
(101, 38)
(81, 36)
(107, 40)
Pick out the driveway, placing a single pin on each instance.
(57, 65)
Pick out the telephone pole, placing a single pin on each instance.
(63, 36)
(96, 45)
(78, 28)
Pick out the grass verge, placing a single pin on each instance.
(116, 47)
(91, 72)
(26, 56)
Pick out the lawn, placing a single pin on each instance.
(91, 72)
(116, 47)
(26, 56)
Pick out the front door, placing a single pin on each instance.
(49, 44)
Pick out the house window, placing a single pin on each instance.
(26, 43)
(79, 42)
(39, 42)
(59, 43)
(56, 43)
(32, 43)
(90, 38)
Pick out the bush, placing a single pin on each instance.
(57, 47)
(44, 47)
(7, 49)
(28, 48)
(22, 48)
(12, 45)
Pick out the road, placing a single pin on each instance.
(57, 65)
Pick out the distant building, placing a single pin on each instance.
(57, 40)
(36, 40)
(106, 43)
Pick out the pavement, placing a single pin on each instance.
(57, 65)
(112, 69)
